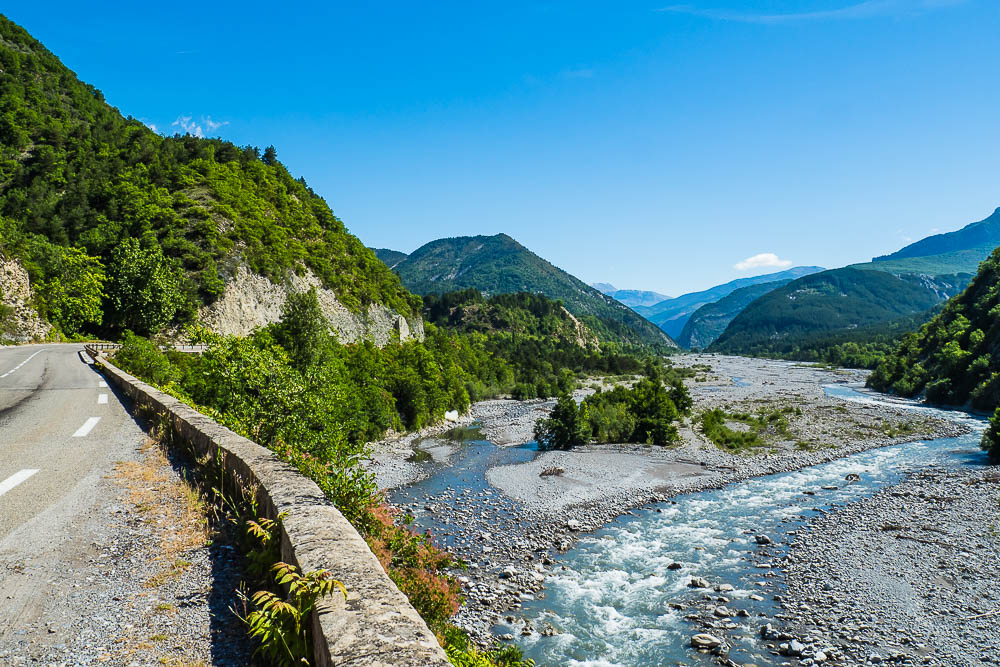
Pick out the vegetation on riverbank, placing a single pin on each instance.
(953, 359)
(293, 388)
(714, 424)
(647, 412)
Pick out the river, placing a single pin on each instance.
(611, 601)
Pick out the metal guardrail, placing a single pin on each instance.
(188, 349)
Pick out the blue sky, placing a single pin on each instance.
(653, 145)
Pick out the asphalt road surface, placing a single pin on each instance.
(61, 432)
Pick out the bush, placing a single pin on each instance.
(991, 438)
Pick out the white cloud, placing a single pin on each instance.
(197, 128)
(858, 10)
(762, 261)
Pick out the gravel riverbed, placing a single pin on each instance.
(906, 576)
(512, 531)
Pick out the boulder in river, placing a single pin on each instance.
(698, 582)
(705, 641)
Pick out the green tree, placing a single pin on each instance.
(566, 428)
(71, 299)
(303, 330)
(991, 438)
(143, 287)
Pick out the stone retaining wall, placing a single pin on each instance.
(376, 625)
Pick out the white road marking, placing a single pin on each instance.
(102, 399)
(15, 479)
(21, 364)
(102, 383)
(87, 427)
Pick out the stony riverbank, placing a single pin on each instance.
(511, 532)
(907, 576)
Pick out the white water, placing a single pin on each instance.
(611, 604)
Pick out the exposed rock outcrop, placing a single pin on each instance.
(19, 322)
(251, 301)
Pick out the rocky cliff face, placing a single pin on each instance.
(18, 320)
(251, 301)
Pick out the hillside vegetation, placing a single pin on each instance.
(839, 300)
(499, 264)
(955, 358)
(671, 315)
(708, 322)
(119, 227)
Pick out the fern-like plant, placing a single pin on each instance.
(281, 625)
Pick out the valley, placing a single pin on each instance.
(539, 530)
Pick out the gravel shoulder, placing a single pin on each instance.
(136, 582)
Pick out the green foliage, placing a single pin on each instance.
(500, 265)
(714, 424)
(644, 413)
(303, 330)
(280, 623)
(953, 358)
(143, 288)
(71, 298)
(708, 322)
(462, 653)
(565, 428)
(144, 359)
(991, 438)
(808, 315)
(74, 173)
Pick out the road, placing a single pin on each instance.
(61, 432)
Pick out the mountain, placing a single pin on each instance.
(630, 297)
(955, 358)
(499, 264)
(117, 226)
(389, 257)
(708, 322)
(984, 234)
(671, 315)
(520, 314)
(954, 258)
(835, 300)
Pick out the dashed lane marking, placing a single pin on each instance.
(102, 399)
(87, 427)
(15, 479)
(103, 384)
(21, 364)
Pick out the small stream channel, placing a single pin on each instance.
(610, 602)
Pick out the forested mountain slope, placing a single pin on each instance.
(950, 261)
(499, 264)
(954, 358)
(836, 300)
(92, 202)
(673, 314)
(708, 322)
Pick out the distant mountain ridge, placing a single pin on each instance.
(708, 322)
(838, 299)
(630, 297)
(985, 233)
(500, 265)
(671, 315)
(389, 257)
(894, 286)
